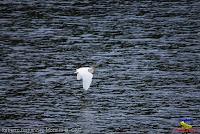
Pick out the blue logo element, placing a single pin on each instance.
(187, 120)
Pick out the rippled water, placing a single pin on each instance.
(149, 65)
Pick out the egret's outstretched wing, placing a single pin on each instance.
(87, 79)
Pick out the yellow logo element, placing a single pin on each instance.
(185, 128)
(185, 125)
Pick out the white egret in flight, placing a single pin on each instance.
(85, 74)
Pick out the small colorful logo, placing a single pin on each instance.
(185, 126)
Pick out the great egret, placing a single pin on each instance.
(85, 74)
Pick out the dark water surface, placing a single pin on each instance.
(148, 55)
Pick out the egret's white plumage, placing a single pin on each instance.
(85, 73)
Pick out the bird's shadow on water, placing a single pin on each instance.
(83, 96)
